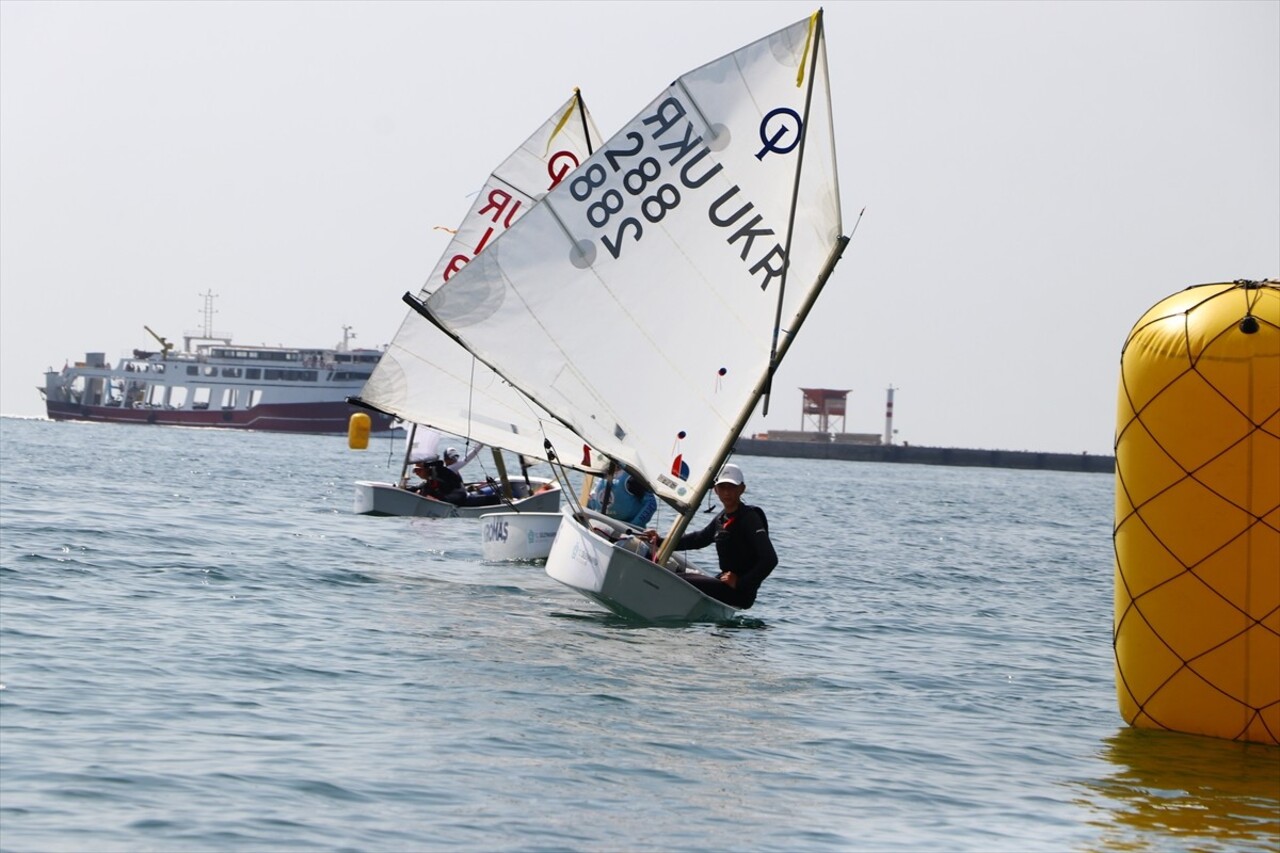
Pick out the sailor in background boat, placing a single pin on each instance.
(441, 481)
(619, 495)
(456, 462)
(741, 536)
(431, 485)
(477, 494)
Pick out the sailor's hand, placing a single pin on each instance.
(651, 537)
(730, 578)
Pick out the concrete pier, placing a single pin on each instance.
(958, 456)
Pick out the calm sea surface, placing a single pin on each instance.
(202, 648)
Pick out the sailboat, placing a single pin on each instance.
(647, 301)
(424, 378)
(426, 446)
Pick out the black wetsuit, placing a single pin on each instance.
(444, 483)
(742, 546)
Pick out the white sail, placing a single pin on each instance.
(422, 443)
(638, 302)
(545, 159)
(425, 377)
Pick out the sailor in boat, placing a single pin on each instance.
(442, 482)
(741, 536)
(478, 494)
(431, 486)
(619, 495)
(456, 462)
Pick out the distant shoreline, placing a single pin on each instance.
(911, 454)
(955, 456)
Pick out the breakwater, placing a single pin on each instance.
(958, 456)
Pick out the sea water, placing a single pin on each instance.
(203, 648)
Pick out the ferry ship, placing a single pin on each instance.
(213, 382)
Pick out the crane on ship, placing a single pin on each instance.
(164, 344)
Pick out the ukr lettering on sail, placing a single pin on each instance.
(635, 188)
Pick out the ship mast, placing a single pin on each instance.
(206, 332)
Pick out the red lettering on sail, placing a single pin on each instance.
(511, 215)
(560, 164)
(456, 263)
(498, 201)
(484, 241)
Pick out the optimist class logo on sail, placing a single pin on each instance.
(631, 191)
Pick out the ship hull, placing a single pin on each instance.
(317, 418)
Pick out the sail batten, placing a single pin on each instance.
(641, 303)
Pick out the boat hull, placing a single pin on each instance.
(518, 537)
(387, 499)
(624, 582)
(314, 418)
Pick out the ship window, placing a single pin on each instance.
(228, 398)
(232, 372)
(290, 375)
(200, 399)
(155, 395)
(178, 397)
(210, 370)
(253, 373)
(255, 397)
(192, 370)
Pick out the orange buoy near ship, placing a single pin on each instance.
(1197, 517)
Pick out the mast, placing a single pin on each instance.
(582, 115)
(206, 332)
(795, 193)
(777, 349)
(682, 521)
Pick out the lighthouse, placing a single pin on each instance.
(888, 417)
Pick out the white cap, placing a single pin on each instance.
(730, 474)
(450, 453)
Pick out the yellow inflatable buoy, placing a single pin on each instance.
(1197, 525)
(358, 431)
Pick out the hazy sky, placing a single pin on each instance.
(1035, 176)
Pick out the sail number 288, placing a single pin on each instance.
(638, 182)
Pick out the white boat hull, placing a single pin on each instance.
(373, 498)
(625, 582)
(509, 537)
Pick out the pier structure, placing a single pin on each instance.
(825, 408)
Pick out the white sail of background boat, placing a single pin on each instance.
(426, 378)
(648, 299)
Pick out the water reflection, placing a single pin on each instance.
(1189, 792)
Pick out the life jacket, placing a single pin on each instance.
(623, 505)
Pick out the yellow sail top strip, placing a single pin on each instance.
(564, 119)
(808, 42)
